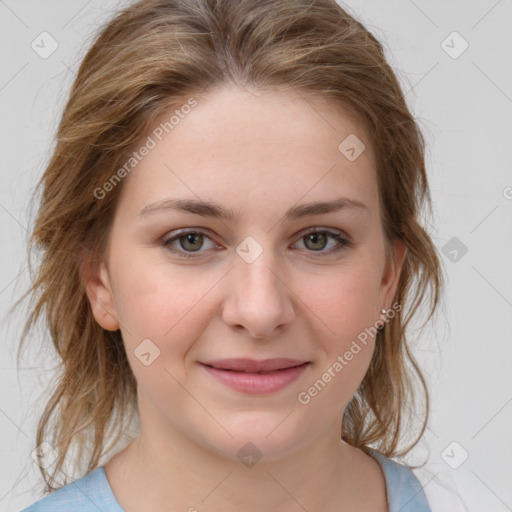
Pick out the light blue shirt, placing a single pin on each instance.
(92, 492)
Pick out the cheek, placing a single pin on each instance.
(172, 312)
(342, 305)
(342, 301)
(169, 308)
(342, 309)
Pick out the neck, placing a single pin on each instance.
(163, 468)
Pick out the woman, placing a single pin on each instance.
(230, 223)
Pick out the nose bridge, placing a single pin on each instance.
(258, 278)
(258, 299)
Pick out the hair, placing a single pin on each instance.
(148, 59)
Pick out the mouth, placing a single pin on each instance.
(256, 377)
(253, 365)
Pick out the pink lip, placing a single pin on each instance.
(254, 366)
(256, 377)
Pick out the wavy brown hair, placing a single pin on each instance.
(146, 61)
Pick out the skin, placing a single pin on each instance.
(257, 154)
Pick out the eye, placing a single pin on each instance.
(189, 241)
(316, 240)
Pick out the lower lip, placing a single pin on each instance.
(257, 383)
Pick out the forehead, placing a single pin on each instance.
(238, 145)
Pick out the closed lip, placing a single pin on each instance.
(254, 365)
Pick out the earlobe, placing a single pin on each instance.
(96, 281)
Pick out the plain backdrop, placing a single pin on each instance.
(454, 62)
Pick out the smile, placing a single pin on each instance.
(256, 377)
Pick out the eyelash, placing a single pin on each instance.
(343, 243)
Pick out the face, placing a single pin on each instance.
(216, 253)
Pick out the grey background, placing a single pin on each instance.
(464, 106)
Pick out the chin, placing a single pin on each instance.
(258, 436)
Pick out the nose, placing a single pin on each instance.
(259, 300)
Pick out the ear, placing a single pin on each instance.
(391, 276)
(95, 278)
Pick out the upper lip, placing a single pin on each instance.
(253, 365)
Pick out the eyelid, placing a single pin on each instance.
(343, 241)
(182, 232)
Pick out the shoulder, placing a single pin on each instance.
(405, 493)
(87, 494)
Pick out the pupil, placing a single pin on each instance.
(190, 238)
(314, 237)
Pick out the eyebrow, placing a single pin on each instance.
(210, 209)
